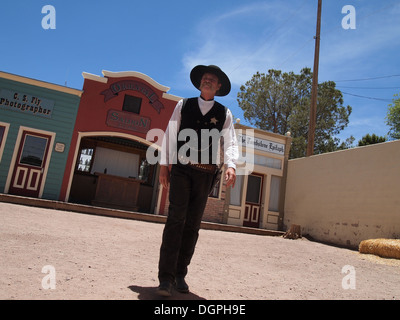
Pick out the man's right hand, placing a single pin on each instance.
(164, 176)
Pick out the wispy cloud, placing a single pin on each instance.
(359, 50)
(261, 36)
(246, 39)
(279, 35)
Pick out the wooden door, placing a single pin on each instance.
(27, 176)
(253, 201)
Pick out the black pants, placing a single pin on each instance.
(188, 196)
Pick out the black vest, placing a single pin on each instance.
(202, 140)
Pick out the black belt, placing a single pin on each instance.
(207, 168)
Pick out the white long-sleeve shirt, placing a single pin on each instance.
(228, 143)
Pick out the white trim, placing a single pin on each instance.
(17, 175)
(3, 142)
(160, 191)
(15, 154)
(257, 209)
(171, 97)
(94, 77)
(122, 74)
(135, 74)
(29, 187)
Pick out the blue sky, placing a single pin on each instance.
(166, 39)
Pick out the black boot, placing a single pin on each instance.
(181, 285)
(165, 288)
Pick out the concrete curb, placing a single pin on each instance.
(80, 208)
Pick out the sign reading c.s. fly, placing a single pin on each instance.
(28, 104)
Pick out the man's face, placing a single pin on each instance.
(209, 84)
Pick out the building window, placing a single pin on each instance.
(274, 194)
(267, 162)
(85, 159)
(132, 104)
(2, 130)
(3, 135)
(254, 185)
(117, 163)
(33, 151)
(264, 161)
(236, 192)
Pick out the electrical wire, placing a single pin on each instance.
(369, 88)
(365, 79)
(365, 97)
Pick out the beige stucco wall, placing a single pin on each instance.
(347, 196)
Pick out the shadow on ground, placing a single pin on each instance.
(149, 293)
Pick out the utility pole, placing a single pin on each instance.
(314, 90)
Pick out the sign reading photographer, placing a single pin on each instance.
(261, 144)
(21, 102)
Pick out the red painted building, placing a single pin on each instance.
(106, 165)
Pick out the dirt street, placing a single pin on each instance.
(50, 254)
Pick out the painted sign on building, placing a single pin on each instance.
(144, 89)
(128, 121)
(21, 102)
(261, 144)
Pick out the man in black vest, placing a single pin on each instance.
(189, 172)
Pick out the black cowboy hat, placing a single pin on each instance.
(197, 73)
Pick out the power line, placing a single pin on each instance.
(365, 97)
(369, 88)
(365, 79)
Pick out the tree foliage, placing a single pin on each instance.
(393, 118)
(280, 102)
(370, 139)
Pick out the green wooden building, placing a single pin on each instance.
(36, 124)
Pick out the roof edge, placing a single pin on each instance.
(40, 83)
(122, 74)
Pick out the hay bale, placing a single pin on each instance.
(385, 248)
